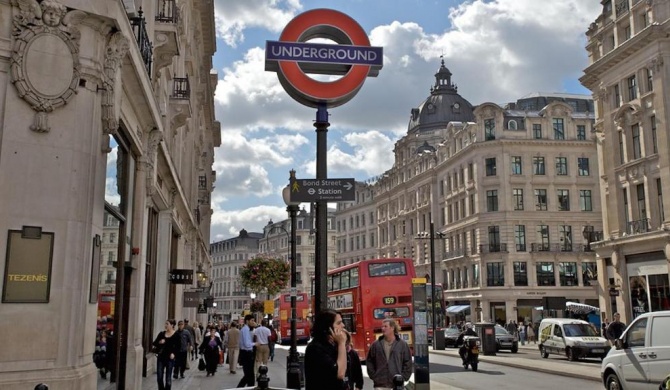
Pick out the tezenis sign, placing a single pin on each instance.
(292, 57)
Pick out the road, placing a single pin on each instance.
(447, 370)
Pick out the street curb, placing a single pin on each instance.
(484, 358)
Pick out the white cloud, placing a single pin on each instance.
(234, 16)
(228, 223)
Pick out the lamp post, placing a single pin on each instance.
(293, 363)
(433, 298)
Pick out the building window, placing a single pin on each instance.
(563, 200)
(617, 96)
(538, 166)
(516, 165)
(625, 206)
(520, 237)
(627, 32)
(581, 132)
(654, 140)
(517, 198)
(641, 202)
(659, 195)
(543, 238)
(492, 200)
(494, 238)
(520, 273)
(650, 80)
(561, 166)
(622, 154)
(559, 132)
(489, 129)
(637, 147)
(545, 274)
(541, 200)
(585, 200)
(471, 171)
(463, 208)
(475, 275)
(568, 274)
(495, 274)
(537, 131)
(512, 125)
(491, 166)
(632, 88)
(583, 166)
(565, 237)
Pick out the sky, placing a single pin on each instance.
(497, 50)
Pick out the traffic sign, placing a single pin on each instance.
(202, 309)
(331, 190)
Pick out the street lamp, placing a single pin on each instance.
(293, 363)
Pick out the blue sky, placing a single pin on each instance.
(497, 50)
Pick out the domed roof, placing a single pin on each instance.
(444, 105)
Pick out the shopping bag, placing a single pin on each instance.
(220, 357)
(202, 365)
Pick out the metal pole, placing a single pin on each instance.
(432, 281)
(293, 366)
(321, 244)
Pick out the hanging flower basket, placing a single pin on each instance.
(265, 274)
(257, 307)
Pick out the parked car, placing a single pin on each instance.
(571, 338)
(641, 357)
(450, 337)
(506, 340)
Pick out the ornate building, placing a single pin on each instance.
(228, 257)
(356, 228)
(627, 73)
(106, 127)
(511, 191)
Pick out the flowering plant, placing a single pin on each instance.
(264, 273)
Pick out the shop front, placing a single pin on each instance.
(648, 282)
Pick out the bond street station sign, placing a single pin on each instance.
(292, 57)
(330, 190)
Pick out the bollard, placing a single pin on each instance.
(262, 379)
(398, 382)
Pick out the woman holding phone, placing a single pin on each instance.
(326, 354)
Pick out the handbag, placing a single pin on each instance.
(202, 365)
(156, 349)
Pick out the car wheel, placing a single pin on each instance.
(571, 355)
(544, 352)
(515, 349)
(612, 382)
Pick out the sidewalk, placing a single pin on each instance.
(529, 358)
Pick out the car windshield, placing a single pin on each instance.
(452, 331)
(500, 331)
(580, 330)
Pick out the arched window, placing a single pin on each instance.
(512, 125)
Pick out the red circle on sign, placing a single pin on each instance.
(336, 92)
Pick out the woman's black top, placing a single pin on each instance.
(321, 366)
(172, 345)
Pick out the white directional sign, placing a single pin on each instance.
(331, 190)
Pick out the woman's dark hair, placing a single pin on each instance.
(173, 322)
(323, 321)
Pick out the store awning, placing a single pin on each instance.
(457, 308)
(579, 308)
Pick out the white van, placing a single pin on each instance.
(641, 359)
(572, 338)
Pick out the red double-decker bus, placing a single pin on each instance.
(282, 317)
(370, 291)
(106, 309)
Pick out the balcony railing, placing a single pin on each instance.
(167, 11)
(639, 226)
(143, 43)
(492, 248)
(535, 247)
(456, 253)
(181, 88)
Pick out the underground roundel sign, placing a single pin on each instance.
(293, 58)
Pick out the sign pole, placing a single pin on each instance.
(321, 242)
(420, 328)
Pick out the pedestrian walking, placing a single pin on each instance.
(193, 346)
(273, 341)
(616, 328)
(531, 334)
(353, 378)
(262, 335)
(209, 348)
(326, 354)
(198, 338)
(181, 363)
(233, 345)
(166, 345)
(247, 352)
(388, 356)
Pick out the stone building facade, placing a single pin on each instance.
(106, 111)
(510, 190)
(356, 228)
(628, 75)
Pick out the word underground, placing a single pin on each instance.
(323, 53)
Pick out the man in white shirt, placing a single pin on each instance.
(262, 334)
